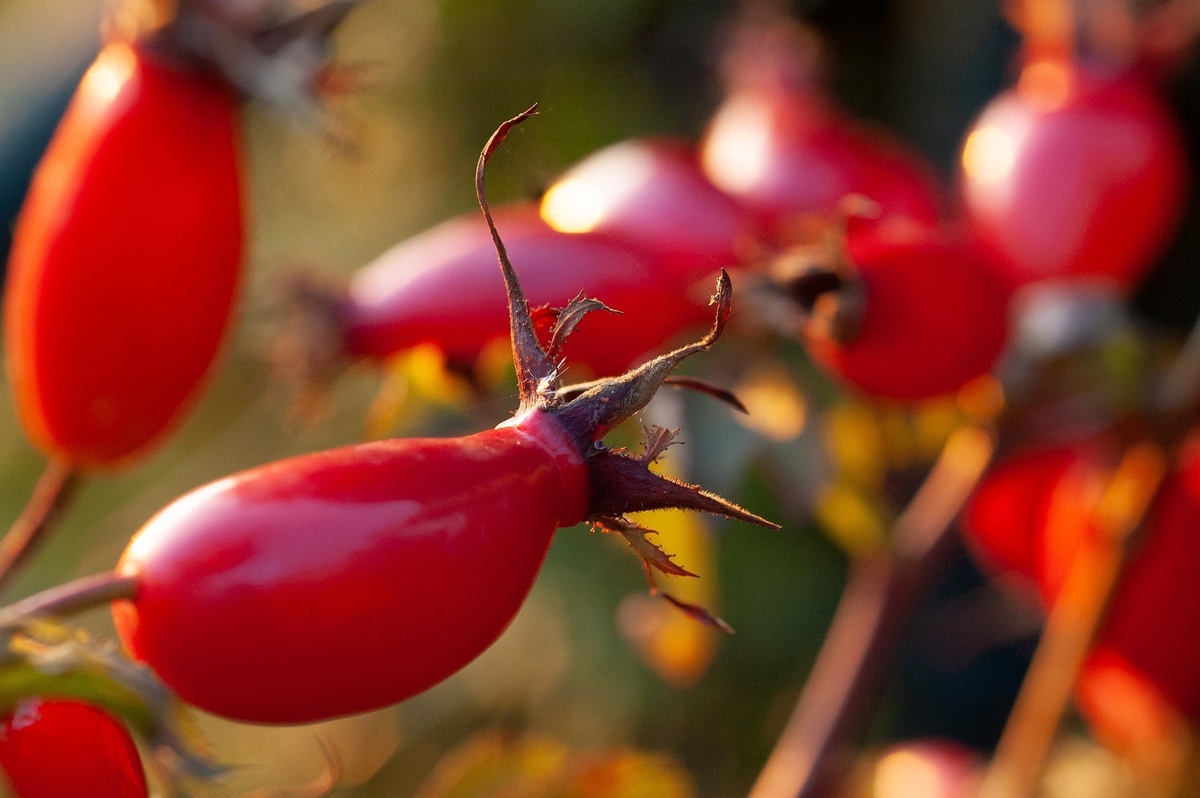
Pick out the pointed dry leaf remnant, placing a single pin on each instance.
(568, 318)
(657, 440)
(705, 387)
(651, 553)
(698, 612)
(533, 366)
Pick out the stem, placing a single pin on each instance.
(70, 598)
(812, 754)
(53, 490)
(1074, 619)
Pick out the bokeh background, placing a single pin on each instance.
(434, 78)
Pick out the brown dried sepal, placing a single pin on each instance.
(651, 553)
(620, 483)
(277, 53)
(696, 611)
(308, 353)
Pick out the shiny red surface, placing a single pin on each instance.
(351, 579)
(57, 748)
(1096, 183)
(652, 193)
(125, 259)
(812, 157)
(444, 287)
(936, 318)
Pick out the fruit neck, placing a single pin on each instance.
(552, 437)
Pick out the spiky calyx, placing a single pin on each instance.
(621, 482)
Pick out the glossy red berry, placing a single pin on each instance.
(915, 316)
(442, 287)
(1074, 174)
(652, 194)
(125, 259)
(349, 579)
(57, 748)
(1031, 512)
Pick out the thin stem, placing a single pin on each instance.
(70, 598)
(1074, 619)
(54, 489)
(812, 754)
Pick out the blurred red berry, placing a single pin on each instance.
(930, 316)
(652, 194)
(58, 748)
(1074, 173)
(126, 258)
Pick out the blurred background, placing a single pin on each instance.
(592, 675)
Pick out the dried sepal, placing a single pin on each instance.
(651, 553)
(535, 370)
(607, 403)
(696, 611)
(44, 658)
(568, 318)
(624, 484)
(656, 441)
(279, 53)
(709, 389)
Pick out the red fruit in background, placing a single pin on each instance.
(787, 155)
(932, 317)
(1150, 627)
(125, 259)
(443, 287)
(1074, 174)
(1005, 517)
(783, 148)
(1031, 515)
(56, 748)
(651, 193)
(1030, 512)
